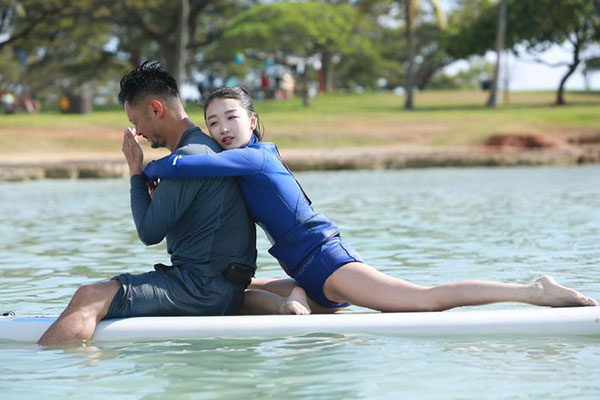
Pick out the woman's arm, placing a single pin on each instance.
(235, 162)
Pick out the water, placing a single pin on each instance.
(426, 226)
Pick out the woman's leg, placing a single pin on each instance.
(284, 287)
(257, 301)
(362, 285)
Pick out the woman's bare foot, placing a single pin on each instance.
(547, 292)
(295, 303)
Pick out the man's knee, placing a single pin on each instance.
(94, 299)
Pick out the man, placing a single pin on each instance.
(209, 235)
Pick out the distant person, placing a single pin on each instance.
(265, 84)
(287, 86)
(209, 235)
(308, 245)
(8, 102)
(278, 89)
(28, 103)
(64, 103)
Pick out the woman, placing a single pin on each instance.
(308, 245)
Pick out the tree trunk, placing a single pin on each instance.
(560, 95)
(500, 37)
(410, 50)
(306, 100)
(327, 61)
(179, 54)
(425, 73)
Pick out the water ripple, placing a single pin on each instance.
(426, 226)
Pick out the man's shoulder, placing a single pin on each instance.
(197, 142)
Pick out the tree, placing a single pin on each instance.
(366, 53)
(31, 19)
(177, 28)
(411, 9)
(592, 64)
(549, 22)
(500, 39)
(161, 29)
(302, 30)
(52, 44)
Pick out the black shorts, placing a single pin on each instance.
(175, 291)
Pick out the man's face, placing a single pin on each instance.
(146, 122)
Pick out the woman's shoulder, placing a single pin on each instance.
(266, 147)
(272, 158)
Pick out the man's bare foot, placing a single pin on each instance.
(295, 303)
(547, 292)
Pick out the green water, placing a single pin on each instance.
(426, 226)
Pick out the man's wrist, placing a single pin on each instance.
(135, 170)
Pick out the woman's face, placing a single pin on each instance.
(229, 123)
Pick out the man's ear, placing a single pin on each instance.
(157, 108)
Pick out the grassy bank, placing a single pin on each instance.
(337, 120)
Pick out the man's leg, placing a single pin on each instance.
(78, 321)
(284, 287)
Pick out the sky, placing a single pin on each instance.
(525, 74)
(528, 75)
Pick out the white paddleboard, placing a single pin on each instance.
(535, 321)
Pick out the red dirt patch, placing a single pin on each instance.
(519, 141)
(593, 138)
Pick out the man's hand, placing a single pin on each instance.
(132, 151)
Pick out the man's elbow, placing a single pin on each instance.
(149, 239)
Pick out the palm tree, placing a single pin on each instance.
(411, 9)
(500, 38)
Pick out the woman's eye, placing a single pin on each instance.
(212, 124)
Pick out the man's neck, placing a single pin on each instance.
(182, 125)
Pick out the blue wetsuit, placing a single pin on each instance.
(306, 244)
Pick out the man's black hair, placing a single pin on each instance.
(150, 78)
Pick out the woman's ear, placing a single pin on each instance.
(253, 122)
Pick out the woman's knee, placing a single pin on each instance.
(428, 300)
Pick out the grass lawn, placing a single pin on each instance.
(338, 120)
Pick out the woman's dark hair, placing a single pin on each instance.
(241, 94)
(150, 78)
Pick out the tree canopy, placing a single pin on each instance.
(87, 44)
(548, 22)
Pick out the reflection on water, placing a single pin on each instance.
(427, 226)
(325, 367)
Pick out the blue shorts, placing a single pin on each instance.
(314, 270)
(175, 291)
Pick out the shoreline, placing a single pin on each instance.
(17, 168)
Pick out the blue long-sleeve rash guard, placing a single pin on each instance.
(273, 196)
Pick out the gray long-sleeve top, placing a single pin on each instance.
(204, 220)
